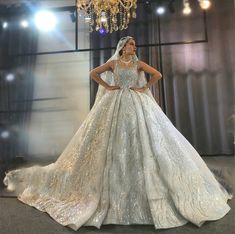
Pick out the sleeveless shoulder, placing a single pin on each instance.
(112, 64)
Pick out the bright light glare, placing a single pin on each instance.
(5, 134)
(10, 77)
(160, 10)
(187, 9)
(205, 4)
(5, 25)
(24, 23)
(45, 21)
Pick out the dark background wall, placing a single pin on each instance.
(199, 78)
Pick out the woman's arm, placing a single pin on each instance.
(155, 75)
(95, 75)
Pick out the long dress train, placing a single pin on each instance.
(126, 164)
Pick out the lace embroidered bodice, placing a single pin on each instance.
(125, 76)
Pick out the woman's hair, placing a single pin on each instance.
(121, 51)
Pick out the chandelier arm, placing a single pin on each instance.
(88, 6)
(85, 8)
(126, 7)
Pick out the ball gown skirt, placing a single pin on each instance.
(126, 164)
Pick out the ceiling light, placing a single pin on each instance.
(204, 4)
(160, 10)
(24, 23)
(45, 20)
(187, 9)
(5, 25)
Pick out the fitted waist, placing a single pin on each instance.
(126, 86)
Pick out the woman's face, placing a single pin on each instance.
(129, 48)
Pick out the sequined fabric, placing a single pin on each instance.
(126, 164)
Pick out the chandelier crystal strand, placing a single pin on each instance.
(111, 15)
(121, 17)
(91, 22)
(133, 13)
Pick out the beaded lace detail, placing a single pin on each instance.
(125, 76)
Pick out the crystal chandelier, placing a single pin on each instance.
(108, 15)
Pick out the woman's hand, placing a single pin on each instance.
(141, 90)
(112, 87)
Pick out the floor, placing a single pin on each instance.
(18, 218)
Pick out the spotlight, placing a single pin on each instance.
(5, 134)
(160, 10)
(45, 21)
(24, 23)
(187, 9)
(5, 25)
(204, 4)
(10, 77)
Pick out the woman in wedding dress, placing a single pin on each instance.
(127, 163)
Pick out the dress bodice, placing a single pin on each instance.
(126, 77)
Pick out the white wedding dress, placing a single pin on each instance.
(126, 164)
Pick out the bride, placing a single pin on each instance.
(127, 163)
